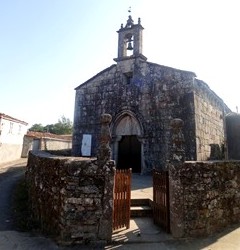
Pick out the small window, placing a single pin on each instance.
(11, 128)
(129, 77)
(19, 129)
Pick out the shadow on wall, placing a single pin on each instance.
(61, 152)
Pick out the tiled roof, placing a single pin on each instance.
(9, 118)
(48, 135)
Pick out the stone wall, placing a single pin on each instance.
(70, 197)
(204, 197)
(153, 93)
(210, 113)
(45, 143)
(55, 144)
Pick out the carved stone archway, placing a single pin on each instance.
(126, 128)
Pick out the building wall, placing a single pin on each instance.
(27, 146)
(10, 152)
(11, 139)
(155, 95)
(89, 105)
(210, 114)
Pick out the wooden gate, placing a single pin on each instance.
(122, 199)
(161, 211)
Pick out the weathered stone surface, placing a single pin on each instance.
(154, 96)
(177, 145)
(104, 150)
(71, 197)
(210, 120)
(204, 197)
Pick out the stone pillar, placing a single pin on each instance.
(103, 161)
(104, 150)
(177, 158)
(116, 140)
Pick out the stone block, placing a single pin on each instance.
(72, 201)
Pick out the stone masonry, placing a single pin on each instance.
(204, 196)
(208, 197)
(210, 112)
(71, 198)
(147, 96)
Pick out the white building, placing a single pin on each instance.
(12, 132)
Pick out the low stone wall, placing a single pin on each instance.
(204, 197)
(44, 143)
(55, 144)
(71, 198)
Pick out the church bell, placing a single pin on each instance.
(129, 47)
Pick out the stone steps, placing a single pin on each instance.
(140, 208)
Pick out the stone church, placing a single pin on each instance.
(142, 98)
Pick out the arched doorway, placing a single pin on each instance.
(129, 153)
(127, 146)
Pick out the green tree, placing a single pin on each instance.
(38, 127)
(62, 127)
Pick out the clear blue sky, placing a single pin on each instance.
(49, 47)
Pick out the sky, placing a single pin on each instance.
(49, 47)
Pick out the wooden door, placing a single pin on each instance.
(161, 211)
(122, 199)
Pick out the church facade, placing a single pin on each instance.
(142, 98)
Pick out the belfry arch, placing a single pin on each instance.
(127, 142)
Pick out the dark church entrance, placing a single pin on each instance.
(129, 153)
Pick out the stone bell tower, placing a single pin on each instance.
(130, 40)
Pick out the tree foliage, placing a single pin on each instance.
(62, 127)
(38, 127)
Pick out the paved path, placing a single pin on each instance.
(141, 235)
(8, 180)
(10, 174)
(141, 187)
